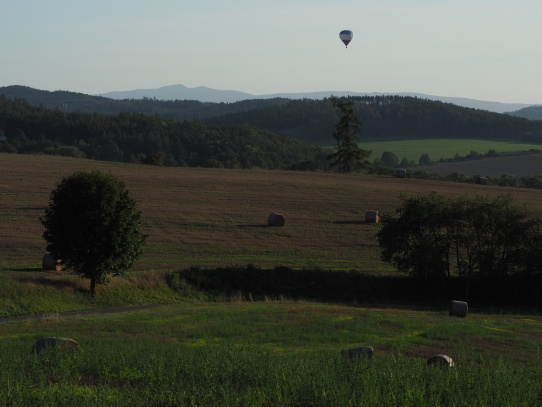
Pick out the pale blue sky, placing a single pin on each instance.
(480, 49)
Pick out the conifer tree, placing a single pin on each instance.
(348, 155)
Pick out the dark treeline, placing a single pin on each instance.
(135, 137)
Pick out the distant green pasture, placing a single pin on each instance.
(438, 148)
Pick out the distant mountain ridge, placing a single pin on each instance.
(205, 94)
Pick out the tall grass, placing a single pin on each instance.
(272, 353)
(139, 373)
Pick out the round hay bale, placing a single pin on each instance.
(440, 361)
(43, 344)
(50, 262)
(372, 217)
(276, 219)
(365, 352)
(458, 309)
(400, 173)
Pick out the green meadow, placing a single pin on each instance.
(438, 148)
(152, 338)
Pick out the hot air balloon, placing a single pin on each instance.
(346, 36)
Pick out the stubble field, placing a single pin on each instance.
(213, 217)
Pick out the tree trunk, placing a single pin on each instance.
(467, 288)
(92, 287)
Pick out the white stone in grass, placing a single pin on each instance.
(440, 360)
(43, 344)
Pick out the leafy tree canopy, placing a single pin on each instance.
(93, 226)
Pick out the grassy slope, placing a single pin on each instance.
(293, 327)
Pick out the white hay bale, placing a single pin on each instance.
(440, 361)
(458, 308)
(43, 344)
(362, 352)
(276, 219)
(372, 217)
(50, 262)
(400, 173)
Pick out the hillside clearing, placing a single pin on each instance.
(438, 148)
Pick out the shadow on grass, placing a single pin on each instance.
(312, 285)
(23, 269)
(59, 284)
(349, 222)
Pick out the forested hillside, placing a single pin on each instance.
(388, 116)
(134, 137)
(309, 119)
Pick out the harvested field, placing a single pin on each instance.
(217, 217)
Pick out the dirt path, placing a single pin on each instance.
(100, 311)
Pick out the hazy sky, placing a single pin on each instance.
(480, 49)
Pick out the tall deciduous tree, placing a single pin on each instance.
(93, 226)
(348, 155)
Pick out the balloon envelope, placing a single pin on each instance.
(346, 36)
